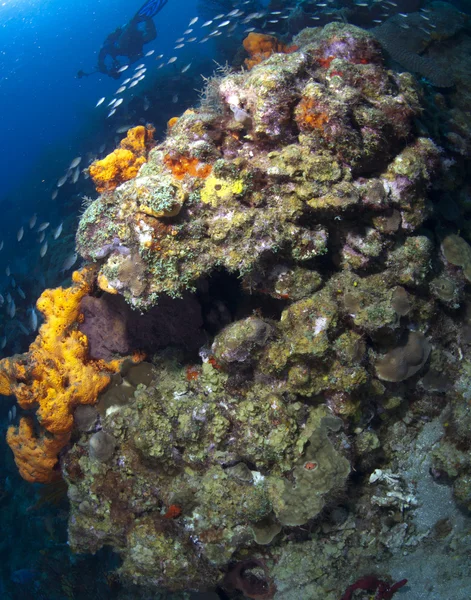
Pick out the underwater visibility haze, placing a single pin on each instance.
(235, 300)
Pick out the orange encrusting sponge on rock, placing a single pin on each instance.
(35, 456)
(54, 376)
(260, 46)
(123, 163)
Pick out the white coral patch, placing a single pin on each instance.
(320, 325)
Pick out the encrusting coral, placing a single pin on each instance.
(54, 376)
(124, 162)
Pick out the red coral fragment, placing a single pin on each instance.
(371, 583)
(173, 511)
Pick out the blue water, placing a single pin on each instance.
(43, 107)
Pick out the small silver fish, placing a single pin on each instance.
(1, 245)
(188, 31)
(19, 235)
(11, 310)
(21, 294)
(150, 53)
(118, 102)
(205, 39)
(41, 237)
(207, 24)
(2, 300)
(120, 89)
(33, 319)
(179, 40)
(57, 231)
(123, 68)
(133, 83)
(178, 46)
(126, 81)
(43, 250)
(13, 282)
(76, 175)
(185, 69)
(69, 262)
(192, 39)
(175, 98)
(75, 162)
(22, 327)
(193, 21)
(171, 60)
(224, 24)
(112, 101)
(111, 113)
(54, 194)
(100, 101)
(43, 226)
(3, 342)
(8, 297)
(159, 57)
(8, 271)
(62, 180)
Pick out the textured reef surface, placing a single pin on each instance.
(306, 323)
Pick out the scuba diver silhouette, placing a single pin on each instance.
(127, 41)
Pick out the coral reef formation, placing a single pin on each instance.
(336, 348)
(305, 154)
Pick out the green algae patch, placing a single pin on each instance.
(320, 472)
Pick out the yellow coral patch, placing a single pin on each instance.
(104, 284)
(218, 190)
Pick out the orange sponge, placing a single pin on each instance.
(260, 46)
(124, 163)
(35, 457)
(55, 375)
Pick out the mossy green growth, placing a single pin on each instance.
(154, 554)
(98, 228)
(237, 343)
(320, 472)
(157, 196)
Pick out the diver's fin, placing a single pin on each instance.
(151, 8)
